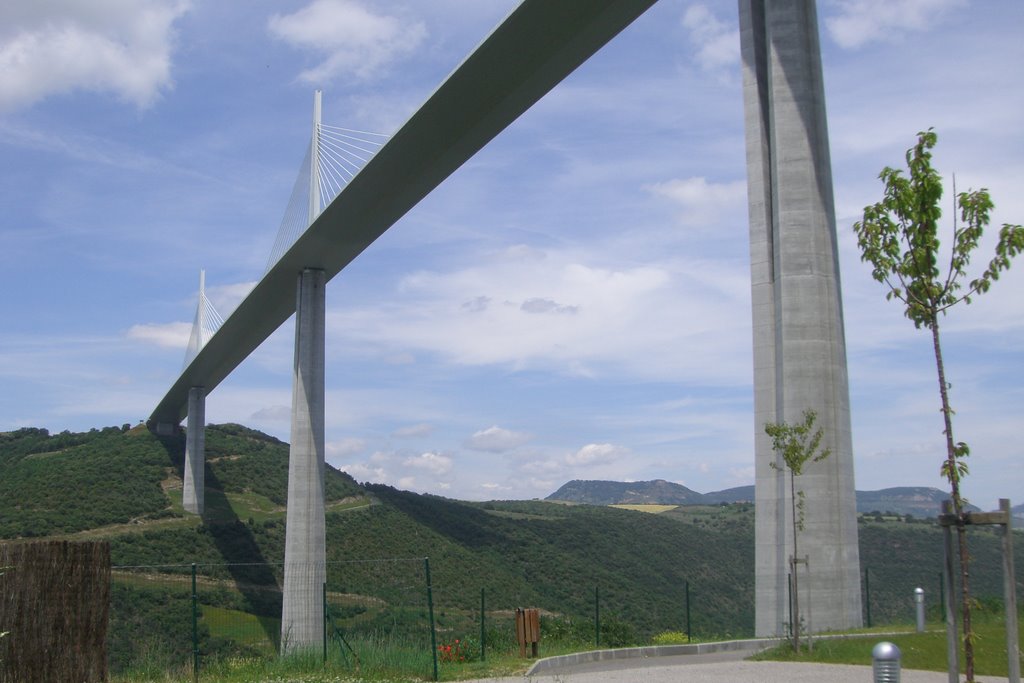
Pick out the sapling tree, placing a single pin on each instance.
(898, 236)
(797, 445)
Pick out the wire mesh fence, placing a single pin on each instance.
(183, 621)
(182, 617)
(378, 615)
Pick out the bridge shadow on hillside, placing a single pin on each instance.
(240, 559)
(253, 576)
(467, 525)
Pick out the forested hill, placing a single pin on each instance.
(658, 491)
(919, 501)
(125, 485)
(71, 482)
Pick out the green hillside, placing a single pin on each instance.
(125, 485)
(72, 482)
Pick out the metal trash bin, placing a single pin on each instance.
(885, 663)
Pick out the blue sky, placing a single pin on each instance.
(572, 303)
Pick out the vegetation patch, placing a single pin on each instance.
(652, 509)
(923, 651)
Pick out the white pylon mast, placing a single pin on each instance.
(201, 311)
(314, 162)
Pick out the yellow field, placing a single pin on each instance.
(653, 509)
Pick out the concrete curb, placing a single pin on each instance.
(561, 661)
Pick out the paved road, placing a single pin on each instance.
(722, 667)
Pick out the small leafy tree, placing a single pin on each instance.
(899, 237)
(797, 445)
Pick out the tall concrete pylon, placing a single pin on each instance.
(799, 345)
(193, 491)
(305, 545)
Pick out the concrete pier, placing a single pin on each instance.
(799, 345)
(193, 496)
(302, 620)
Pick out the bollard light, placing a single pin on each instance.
(919, 605)
(885, 663)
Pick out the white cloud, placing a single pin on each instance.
(717, 42)
(413, 431)
(862, 21)
(582, 319)
(538, 305)
(279, 414)
(364, 473)
(353, 41)
(703, 203)
(435, 463)
(596, 454)
(167, 335)
(56, 47)
(343, 448)
(741, 476)
(226, 298)
(496, 440)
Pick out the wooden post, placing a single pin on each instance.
(521, 631)
(528, 630)
(534, 630)
(1010, 594)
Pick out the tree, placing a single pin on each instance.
(797, 445)
(899, 237)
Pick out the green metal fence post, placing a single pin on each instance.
(689, 628)
(195, 627)
(867, 594)
(483, 633)
(430, 610)
(325, 622)
(597, 616)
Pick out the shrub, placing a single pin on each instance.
(671, 638)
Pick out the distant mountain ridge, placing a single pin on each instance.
(920, 501)
(659, 491)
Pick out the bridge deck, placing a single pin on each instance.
(539, 44)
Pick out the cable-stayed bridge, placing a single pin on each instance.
(357, 185)
(340, 153)
(531, 51)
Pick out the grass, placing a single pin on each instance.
(651, 508)
(923, 651)
(243, 628)
(380, 658)
(386, 656)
